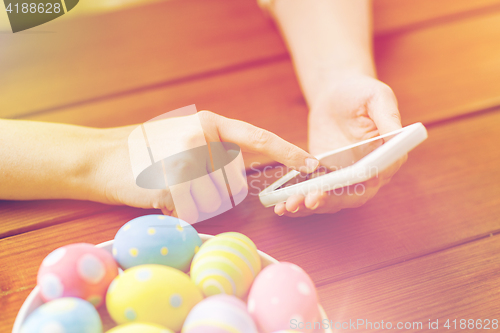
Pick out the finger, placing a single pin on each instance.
(205, 194)
(326, 202)
(313, 200)
(185, 207)
(301, 212)
(219, 181)
(304, 213)
(280, 209)
(353, 196)
(252, 138)
(235, 178)
(165, 211)
(383, 109)
(294, 203)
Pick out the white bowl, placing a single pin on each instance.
(34, 299)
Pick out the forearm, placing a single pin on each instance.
(327, 39)
(45, 160)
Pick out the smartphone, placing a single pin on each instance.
(346, 166)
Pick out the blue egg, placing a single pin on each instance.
(156, 239)
(68, 315)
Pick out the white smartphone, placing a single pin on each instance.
(348, 165)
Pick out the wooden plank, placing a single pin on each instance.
(91, 57)
(458, 283)
(10, 304)
(25, 216)
(76, 59)
(248, 95)
(445, 70)
(420, 66)
(438, 200)
(271, 90)
(394, 15)
(22, 216)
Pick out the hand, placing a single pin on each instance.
(113, 181)
(350, 110)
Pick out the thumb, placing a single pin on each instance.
(383, 110)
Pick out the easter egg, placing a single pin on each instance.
(219, 314)
(139, 328)
(77, 270)
(226, 264)
(156, 239)
(68, 315)
(282, 295)
(154, 294)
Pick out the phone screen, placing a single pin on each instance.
(340, 160)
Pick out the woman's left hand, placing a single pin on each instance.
(349, 110)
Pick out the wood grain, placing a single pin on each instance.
(429, 206)
(22, 216)
(89, 58)
(444, 71)
(393, 16)
(458, 283)
(420, 66)
(420, 249)
(271, 89)
(74, 60)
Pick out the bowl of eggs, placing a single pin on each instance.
(159, 275)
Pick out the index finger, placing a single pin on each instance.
(255, 139)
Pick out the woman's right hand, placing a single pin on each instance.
(113, 181)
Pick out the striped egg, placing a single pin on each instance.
(226, 264)
(219, 314)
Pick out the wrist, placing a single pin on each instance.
(324, 76)
(332, 83)
(96, 151)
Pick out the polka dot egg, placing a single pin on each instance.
(219, 314)
(156, 239)
(64, 315)
(152, 293)
(77, 270)
(227, 263)
(282, 295)
(139, 328)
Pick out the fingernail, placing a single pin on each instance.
(295, 211)
(315, 206)
(281, 214)
(311, 164)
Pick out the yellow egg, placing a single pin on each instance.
(227, 263)
(154, 294)
(139, 327)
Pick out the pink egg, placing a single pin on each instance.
(282, 297)
(77, 270)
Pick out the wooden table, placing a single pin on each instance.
(426, 247)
